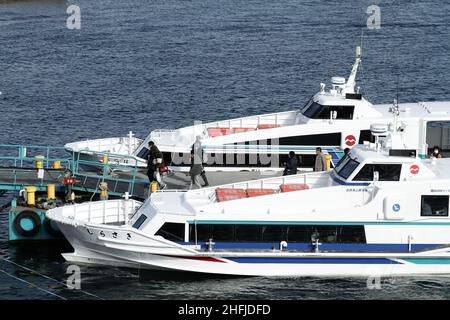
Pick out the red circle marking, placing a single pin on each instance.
(350, 140)
(414, 169)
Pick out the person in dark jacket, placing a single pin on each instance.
(291, 164)
(154, 164)
(198, 151)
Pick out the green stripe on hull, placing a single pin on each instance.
(428, 261)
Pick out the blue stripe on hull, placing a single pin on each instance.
(345, 247)
(316, 260)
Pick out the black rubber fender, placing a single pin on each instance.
(27, 214)
(50, 230)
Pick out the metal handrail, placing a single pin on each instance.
(106, 166)
(22, 158)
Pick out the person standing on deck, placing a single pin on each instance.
(437, 153)
(154, 164)
(196, 170)
(320, 163)
(291, 164)
(198, 151)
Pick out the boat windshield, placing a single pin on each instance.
(345, 168)
(143, 154)
(314, 110)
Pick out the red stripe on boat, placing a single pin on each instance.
(209, 259)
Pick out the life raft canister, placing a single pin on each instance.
(27, 223)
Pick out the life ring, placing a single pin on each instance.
(35, 220)
(51, 229)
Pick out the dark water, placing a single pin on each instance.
(142, 65)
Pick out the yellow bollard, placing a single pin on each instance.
(328, 161)
(31, 195)
(51, 194)
(57, 164)
(39, 163)
(103, 191)
(153, 186)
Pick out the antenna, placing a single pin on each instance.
(398, 76)
(361, 41)
(362, 67)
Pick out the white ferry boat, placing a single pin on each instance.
(380, 212)
(333, 119)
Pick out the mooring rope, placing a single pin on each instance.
(50, 278)
(33, 285)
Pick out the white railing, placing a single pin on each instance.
(279, 118)
(104, 212)
(157, 133)
(121, 145)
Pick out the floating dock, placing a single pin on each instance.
(45, 178)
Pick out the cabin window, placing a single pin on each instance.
(143, 154)
(365, 135)
(138, 223)
(171, 231)
(223, 232)
(298, 234)
(346, 167)
(324, 234)
(318, 111)
(277, 233)
(272, 233)
(351, 234)
(434, 206)
(324, 139)
(248, 233)
(386, 172)
(203, 232)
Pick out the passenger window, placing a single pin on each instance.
(248, 233)
(434, 206)
(387, 172)
(272, 233)
(299, 234)
(324, 234)
(223, 232)
(202, 230)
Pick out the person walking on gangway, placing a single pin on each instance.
(154, 164)
(198, 151)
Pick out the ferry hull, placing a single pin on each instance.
(158, 254)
